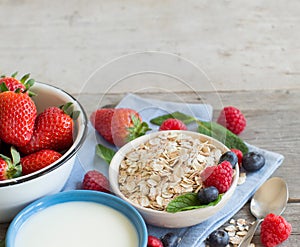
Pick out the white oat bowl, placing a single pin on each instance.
(151, 170)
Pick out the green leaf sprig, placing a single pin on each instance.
(188, 201)
(105, 153)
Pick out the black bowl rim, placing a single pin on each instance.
(22, 179)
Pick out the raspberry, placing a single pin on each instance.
(154, 242)
(274, 230)
(172, 124)
(239, 155)
(219, 176)
(233, 119)
(94, 180)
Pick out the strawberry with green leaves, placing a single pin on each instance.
(38, 160)
(17, 117)
(119, 126)
(10, 83)
(10, 168)
(53, 130)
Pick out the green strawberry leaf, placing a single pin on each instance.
(14, 167)
(188, 201)
(24, 78)
(3, 87)
(14, 74)
(28, 84)
(105, 153)
(138, 129)
(186, 119)
(68, 109)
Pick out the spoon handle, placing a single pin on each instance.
(247, 239)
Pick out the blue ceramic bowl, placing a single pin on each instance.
(83, 196)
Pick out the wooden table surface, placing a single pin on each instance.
(249, 49)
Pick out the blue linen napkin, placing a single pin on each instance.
(193, 236)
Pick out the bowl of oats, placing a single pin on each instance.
(165, 175)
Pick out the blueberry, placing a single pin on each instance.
(208, 195)
(230, 157)
(253, 161)
(170, 240)
(218, 238)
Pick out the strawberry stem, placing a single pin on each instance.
(68, 109)
(14, 168)
(3, 87)
(138, 129)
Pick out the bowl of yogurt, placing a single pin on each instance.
(78, 218)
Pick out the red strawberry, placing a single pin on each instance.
(53, 130)
(17, 116)
(12, 84)
(38, 160)
(219, 176)
(154, 242)
(101, 120)
(94, 180)
(233, 119)
(119, 126)
(172, 124)
(274, 230)
(10, 168)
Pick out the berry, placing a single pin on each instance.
(233, 119)
(218, 238)
(17, 117)
(154, 242)
(53, 130)
(230, 157)
(10, 168)
(170, 240)
(95, 180)
(119, 126)
(13, 84)
(172, 124)
(239, 155)
(101, 120)
(274, 230)
(219, 176)
(207, 195)
(253, 161)
(38, 160)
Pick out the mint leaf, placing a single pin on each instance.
(178, 115)
(105, 153)
(188, 201)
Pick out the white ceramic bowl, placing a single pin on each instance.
(163, 218)
(17, 193)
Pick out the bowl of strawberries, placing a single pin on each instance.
(42, 128)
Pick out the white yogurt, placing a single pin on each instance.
(77, 224)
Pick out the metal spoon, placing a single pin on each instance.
(271, 197)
